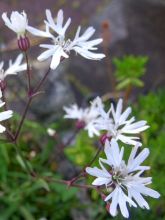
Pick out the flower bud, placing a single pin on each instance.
(80, 124)
(23, 43)
(108, 206)
(3, 85)
(103, 138)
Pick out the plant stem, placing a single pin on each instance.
(42, 81)
(71, 138)
(23, 118)
(95, 157)
(83, 172)
(66, 182)
(28, 73)
(128, 92)
(4, 100)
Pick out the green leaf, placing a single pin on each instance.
(26, 213)
(137, 82)
(123, 84)
(41, 183)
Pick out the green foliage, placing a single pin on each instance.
(129, 70)
(82, 151)
(152, 108)
(21, 196)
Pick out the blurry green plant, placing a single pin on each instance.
(129, 70)
(22, 197)
(82, 151)
(35, 199)
(152, 108)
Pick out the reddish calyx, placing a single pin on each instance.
(80, 124)
(104, 137)
(24, 43)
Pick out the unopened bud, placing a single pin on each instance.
(3, 85)
(103, 196)
(103, 138)
(80, 124)
(23, 43)
(108, 206)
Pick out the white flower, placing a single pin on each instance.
(86, 117)
(14, 67)
(61, 47)
(4, 115)
(51, 132)
(118, 125)
(17, 22)
(123, 180)
(82, 46)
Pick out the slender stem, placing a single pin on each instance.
(28, 73)
(71, 138)
(4, 100)
(106, 34)
(42, 81)
(83, 172)
(44, 78)
(65, 182)
(128, 93)
(23, 118)
(10, 136)
(95, 157)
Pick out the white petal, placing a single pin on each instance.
(46, 54)
(139, 199)
(97, 172)
(118, 110)
(125, 115)
(114, 203)
(100, 181)
(39, 33)
(2, 129)
(5, 115)
(122, 205)
(134, 165)
(57, 57)
(87, 54)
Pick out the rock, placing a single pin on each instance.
(137, 27)
(49, 105)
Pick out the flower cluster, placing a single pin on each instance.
(60, 47)
(124, 181)
(114, 122)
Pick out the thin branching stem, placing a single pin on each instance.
(23, 118)
(42, 81)
(66, 182)
(28, 74)
(83, 172)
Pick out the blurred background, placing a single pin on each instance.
(133, 35)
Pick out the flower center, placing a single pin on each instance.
(61, 42)
(119, 174)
